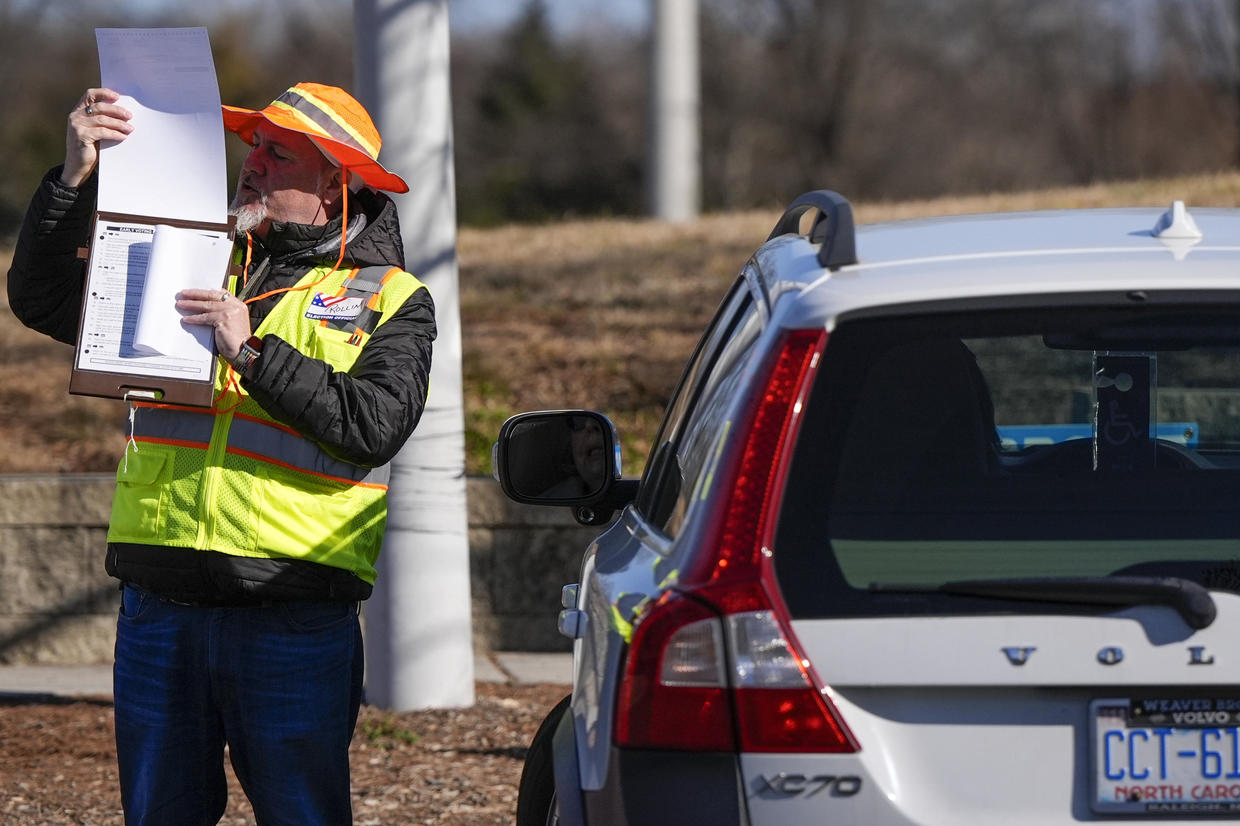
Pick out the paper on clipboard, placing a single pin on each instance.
(166, 79)
(123, 253)
(161, 225)
(180, 258)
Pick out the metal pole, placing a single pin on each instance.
(419, 647)
(675, 166)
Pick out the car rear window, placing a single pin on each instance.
(1061, 442)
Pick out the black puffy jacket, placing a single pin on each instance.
(363, 416)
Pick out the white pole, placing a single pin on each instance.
(675, 168)
(419, 649)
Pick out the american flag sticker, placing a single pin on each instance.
(334, 307)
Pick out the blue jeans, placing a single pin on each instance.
(280, 685)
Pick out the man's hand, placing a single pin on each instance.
(97, 117)
(223, 311)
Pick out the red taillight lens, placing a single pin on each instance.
(731, 678)
(778, 708)
(789, 720)
(693, 679)
(674, 693)
(738, 535)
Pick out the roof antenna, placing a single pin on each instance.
(1176, 223)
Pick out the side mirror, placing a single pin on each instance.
(569, 458)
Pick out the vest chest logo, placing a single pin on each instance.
(335, 308)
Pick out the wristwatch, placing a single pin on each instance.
(251, 349)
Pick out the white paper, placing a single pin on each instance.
(173, 164)
(180, 259)
(121, 255)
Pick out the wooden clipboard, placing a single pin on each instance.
(104, 373)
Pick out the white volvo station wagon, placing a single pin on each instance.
(942, 526)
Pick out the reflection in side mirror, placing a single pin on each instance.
(561, 457)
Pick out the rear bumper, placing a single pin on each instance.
(653, 788)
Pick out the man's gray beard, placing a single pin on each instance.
(250, 214)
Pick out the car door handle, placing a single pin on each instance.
(572, 623)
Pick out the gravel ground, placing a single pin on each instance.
(457, 767)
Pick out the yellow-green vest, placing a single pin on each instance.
(232, 479)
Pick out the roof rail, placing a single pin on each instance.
(833, 227)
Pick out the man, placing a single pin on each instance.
(245, 535)
(584, 462)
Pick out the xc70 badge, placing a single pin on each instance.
(801, 785)
(1110, 655)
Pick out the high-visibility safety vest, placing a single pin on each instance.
(232, 479)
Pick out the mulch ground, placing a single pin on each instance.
(455, 767)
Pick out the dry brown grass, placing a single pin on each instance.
(42, 428)
(598, 313)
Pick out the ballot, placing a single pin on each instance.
(162, 223)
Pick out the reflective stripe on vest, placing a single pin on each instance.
(261, 440)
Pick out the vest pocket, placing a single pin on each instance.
(139, 505)
(333, 347)
(321, 521)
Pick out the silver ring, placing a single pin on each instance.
(89, 110)
(223, 296)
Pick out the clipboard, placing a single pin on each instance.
(106, 363)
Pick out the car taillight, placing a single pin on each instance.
(713, 665)
(777, 706)
(674, 694)
(695, 680)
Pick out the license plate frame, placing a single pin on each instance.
(1161, 755)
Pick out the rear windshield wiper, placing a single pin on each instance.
(1191, 600)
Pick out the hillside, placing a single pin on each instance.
(594, 314)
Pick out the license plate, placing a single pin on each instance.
(1166, 755)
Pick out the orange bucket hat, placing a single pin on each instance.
(333, 119)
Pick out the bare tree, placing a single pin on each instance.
(779, 75)
(1200, 51)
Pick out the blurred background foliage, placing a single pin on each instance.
(909, 107)
(880, 99)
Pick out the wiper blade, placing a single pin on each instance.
(1192, 601)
